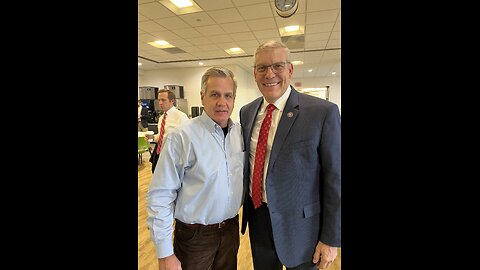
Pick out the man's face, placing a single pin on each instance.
(274, 81)
(218, 99)
(164, 102)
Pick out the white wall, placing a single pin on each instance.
(335, 92)
(190, 79)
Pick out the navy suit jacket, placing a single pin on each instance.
(303, 177)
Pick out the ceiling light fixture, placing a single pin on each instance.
(181, 7)
(235, 51)
(182, 3)
(162, 44)
(297, 62)
(292, 30)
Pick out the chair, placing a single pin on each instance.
(143, 146)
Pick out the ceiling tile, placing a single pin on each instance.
(337, 26)
(319, 28)
(180, 43)
(270, 33)
(150, 26)
(146, 38)
(191, 49)
(208, 5)
(210, 30)
(296, 19)
(235, 27)
(243, 36)
(256, 11)
(220, 38)
(333, 43)
(142, 18)
(145, 1)
(227, 45)
(172, 23)
(188, 33)
(262, 24)
(239, 3)
(197, 19)
(322, 16)
(225, 15)
(335, 35)
(315, 5)
(318, 36)
(209, 47)
(315, 44)
(199, 41)
(165, 35)
(154, 10)
(248, 43)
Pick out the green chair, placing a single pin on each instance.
(143, 146)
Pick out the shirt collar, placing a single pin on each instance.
(279, 103)
(171, 110)
(211, 125)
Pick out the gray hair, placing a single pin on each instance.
(218, 72)
(272, 44)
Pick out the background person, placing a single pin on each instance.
(142, 117)
(166, 101)
(296, 220)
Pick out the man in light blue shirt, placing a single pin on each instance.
(198, 182)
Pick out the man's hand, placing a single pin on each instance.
(324, 255)
(169, 263)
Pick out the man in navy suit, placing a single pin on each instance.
(295, 221)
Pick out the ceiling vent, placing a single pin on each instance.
(294, 42)
(174, 50)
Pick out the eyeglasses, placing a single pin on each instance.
(276, 67)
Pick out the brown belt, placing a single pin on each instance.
(220, 225)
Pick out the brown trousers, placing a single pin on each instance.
(210, 247)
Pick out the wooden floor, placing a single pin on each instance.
(147, 259)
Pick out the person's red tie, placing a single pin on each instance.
(162, 131)
(260, 157)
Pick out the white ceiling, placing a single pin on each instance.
(224, 24)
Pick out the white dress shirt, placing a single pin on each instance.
(174, 118)
(276, 115)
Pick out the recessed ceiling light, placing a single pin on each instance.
(182, 3)
(310, 70)
(333, 72)
(297, 63)
(162, 44)
(139, 64)
(235, 50)
(201, 63)
(292, 30)
(181, 7)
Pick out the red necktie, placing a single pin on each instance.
(260, 157)
(162, 131)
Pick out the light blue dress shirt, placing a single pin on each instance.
(198, 179)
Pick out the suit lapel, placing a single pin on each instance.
(251, 120)
(289, 115)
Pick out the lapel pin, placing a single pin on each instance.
(289, 114)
